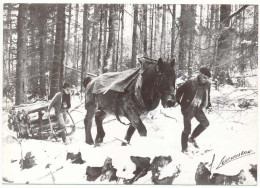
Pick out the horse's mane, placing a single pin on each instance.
(148, 90)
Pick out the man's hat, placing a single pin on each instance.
(205, 71)
(66, 85)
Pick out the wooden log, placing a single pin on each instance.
(31, 108)
(44, 121)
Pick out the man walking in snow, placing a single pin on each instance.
(194, 98)
(61, 103)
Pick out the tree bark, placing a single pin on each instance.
(242, 63)
(145, 29)
(105, 37)
(183, 35)
(76, 34)
(42, 34)
(21, 81)
(223, 45)
(151, 30)
(192, 23)
(156, 29)
(200, 36)
(134, 39)
(57, 65)
(163, 34)
(108, 64)
(122, 34)
(117, 43)
(84, 41)
(68, 38)
(94, 40)
(100, 40)
(173, 31)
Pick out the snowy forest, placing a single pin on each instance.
(45, 45)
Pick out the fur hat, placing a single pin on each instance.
(205, 71)
(66, 85)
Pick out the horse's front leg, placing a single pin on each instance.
(99, 117)
(129, 134)
(135, 121)
(88, 125)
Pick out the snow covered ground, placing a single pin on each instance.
(232, 130)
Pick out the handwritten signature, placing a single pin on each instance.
(239, 155)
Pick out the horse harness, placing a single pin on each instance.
(138, 98)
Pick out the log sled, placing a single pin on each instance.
(29, 121)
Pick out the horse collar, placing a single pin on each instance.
(159, 78)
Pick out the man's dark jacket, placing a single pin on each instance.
(186, 94)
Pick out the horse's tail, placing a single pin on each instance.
(86, 81)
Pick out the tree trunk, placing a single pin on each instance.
(84, 41)
(21, 81)
(32, 45)
(51, 49)
(211, 23)
(183, 36)
(151, 30)
(145, 29)
(217, 17)
(117, 44)
(192, 23)
(122, 34)
(215, 47)
(108, 64)
(173, 31)
(94, 40)
(156, 29)
(76, 34)
(134, 39)
(200, 35)
(68, 38)
(100, 40)
(42, 34)
(242, 63)
(163, 34)
(105, 37)
(57, 65)
(223, 45)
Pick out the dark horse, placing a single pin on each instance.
(154, 82)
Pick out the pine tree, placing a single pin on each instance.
(21, 74)
(57, 65)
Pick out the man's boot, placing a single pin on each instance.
(184, 141)
(197, 131)
(63, 136)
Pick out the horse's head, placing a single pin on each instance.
(166, 82)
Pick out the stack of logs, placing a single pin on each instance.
(28, 121)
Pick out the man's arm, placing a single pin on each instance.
(180, 92)
(69, 105)
(209, 103)
(53, 101)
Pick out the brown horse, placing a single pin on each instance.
(155, 81)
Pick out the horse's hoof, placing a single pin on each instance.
(143, 134)
(97, 145)
(89, 142)
(123, 144)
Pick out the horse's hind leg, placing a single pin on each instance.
(99, 117)
(129, 134)
(88, 125)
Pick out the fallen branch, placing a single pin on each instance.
(7, 180)
(50, 173)
(122, 141)
(168, 116)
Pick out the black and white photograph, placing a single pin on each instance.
(129, 93)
